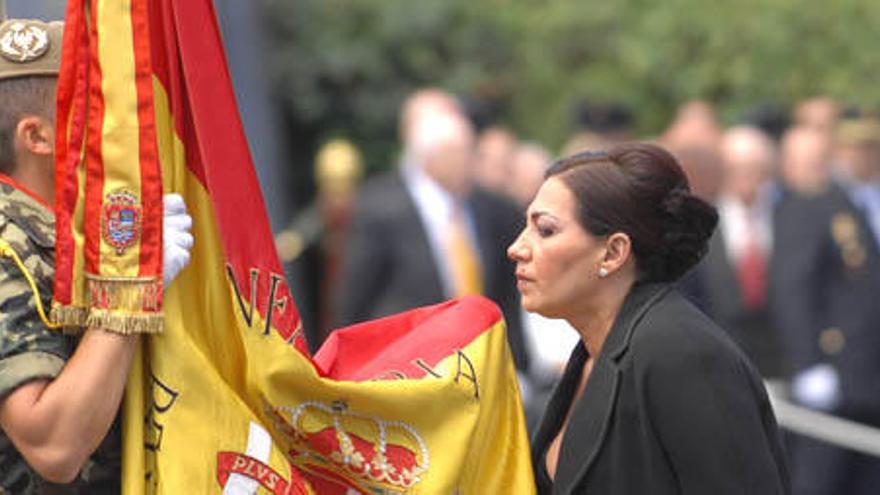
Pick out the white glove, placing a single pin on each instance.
(817, 387)
(177, 241)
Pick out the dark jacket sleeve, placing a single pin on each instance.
(365, 262)
(704, 399)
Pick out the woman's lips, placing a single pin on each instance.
(522, 281)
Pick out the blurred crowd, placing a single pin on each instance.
(792, 272)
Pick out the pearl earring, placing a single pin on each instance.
(603, 272)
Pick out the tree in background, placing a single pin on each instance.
(344, 66)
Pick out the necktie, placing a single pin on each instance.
(752, 268)
(463, 261)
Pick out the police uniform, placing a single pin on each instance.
(825, 287)
(28, 349)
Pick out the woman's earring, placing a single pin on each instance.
(603, 272)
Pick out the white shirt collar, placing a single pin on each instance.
(736, 219)
(434, 206)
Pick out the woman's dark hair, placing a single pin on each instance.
(640, 189)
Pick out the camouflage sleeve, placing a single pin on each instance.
(28, 350)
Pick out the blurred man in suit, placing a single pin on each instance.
(825, 291)
(820, 113)
(805, 160)
(734, 272)
(695, 124)
(530, 162)
(496, 148)
(423, 233)
(702, 166)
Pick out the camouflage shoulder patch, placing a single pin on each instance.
(34, 218)
(24, 226)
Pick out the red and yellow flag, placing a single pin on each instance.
(227, 399)
(108, 182)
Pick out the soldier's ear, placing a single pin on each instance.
(35, 135)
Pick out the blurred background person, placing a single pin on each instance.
(702, 166)
(598, 125)
(312, 245)
(424, 233)
(496, 147)
(733, 275)
(827, 278)
(695, 124)
(423, 105)
(693, 136)
(772, 118)
(583, 141)
(528, 165)
(819, 113)
(805, 161)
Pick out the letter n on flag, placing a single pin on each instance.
(223, 396)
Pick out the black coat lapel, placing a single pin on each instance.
(587, 427)
(554, 415)
(592, 414)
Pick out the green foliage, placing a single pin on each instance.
(344, 66)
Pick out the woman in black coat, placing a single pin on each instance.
(655, 399)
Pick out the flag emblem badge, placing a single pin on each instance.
(122, 220)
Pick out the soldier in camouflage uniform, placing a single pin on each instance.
(59, 394)
(29, 350)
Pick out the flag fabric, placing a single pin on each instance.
(227, 399)
(108, 184)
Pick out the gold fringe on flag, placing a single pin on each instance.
(71, 318)
(124, 304)
(118, 304)
(125, 324)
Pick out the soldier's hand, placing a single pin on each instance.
(177, 239)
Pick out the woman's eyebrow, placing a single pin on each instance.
(540, 213)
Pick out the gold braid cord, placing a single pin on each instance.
(7, 251)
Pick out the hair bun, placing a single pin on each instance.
(641, 190)
(690, 222)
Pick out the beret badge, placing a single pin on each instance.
(22, 42)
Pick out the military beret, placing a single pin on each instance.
(29, 47)
(858, 131)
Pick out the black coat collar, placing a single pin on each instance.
(592, 413)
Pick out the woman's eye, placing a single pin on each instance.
(545, 231)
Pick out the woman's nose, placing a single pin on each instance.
(516, 251)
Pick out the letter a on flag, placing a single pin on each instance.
(223, 396)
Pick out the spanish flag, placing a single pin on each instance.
(224, 397)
